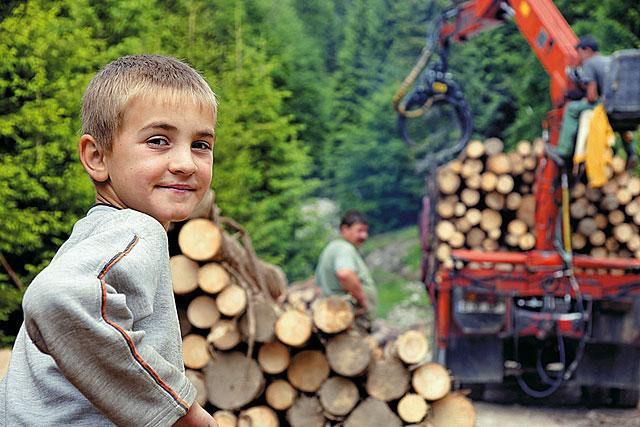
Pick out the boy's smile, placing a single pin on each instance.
(161, 160)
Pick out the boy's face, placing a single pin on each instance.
(161, 160)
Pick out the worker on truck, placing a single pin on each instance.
(342, 271)
(594, 68)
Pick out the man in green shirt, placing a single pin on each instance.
(341, 269)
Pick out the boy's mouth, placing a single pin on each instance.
(178, 187)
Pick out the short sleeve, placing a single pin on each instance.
(345, 259)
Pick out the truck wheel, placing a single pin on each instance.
(593, 396)
(625, 398)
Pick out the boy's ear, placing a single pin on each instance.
(92, 157)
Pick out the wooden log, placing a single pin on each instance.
(332, 314)
(265, 321)
(456, 240)
(612, 244)
(184, 274)
(348, 354)
(633, 185)
(200, 239)
(593, 194)
(462, 225)
(412, 408)
(444, 230)
(623, 232)
(610, 187)
(517, 164)
(273, 357)
(624, 196)
(530, 164)
(447, 181)
(471, 167)
(455, 166)
(470, 197)
(474, 149)
(459, 209)
(475, 236)
(308, 370)
(387, 379)
(504, 184)
(527, 210)
(212, 278)
(577, 190)
(262, 416)
(517, 227)
(232, 300)
(473, 181)
(473, 215)
(616, 217)
(578, 209)
(431, 381)
(372, 413)
(578, 241)
(494, 200)
(454, 410)
(499, 164)
(306, 412)
(224, 334)
(527, 241)
(280, 395)
(412, 347)
(232, 380)
(194, 351)
(597, 238)
(609, 202)
(443, 252)
(524, 148)
(634, 243)
(587, 226)
(488, 181)
(493, 146)
(618, 164)
(294, 328)
(632, 208)
(202, 312)
(445, 208)
(338, 396)
(225, 418)
(494, 233)
(512, 240)
(197, 379)
(490, 220)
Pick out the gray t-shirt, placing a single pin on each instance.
(342, 255)
(100, 343)
(596, 69)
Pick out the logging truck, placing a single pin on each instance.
(531, 280)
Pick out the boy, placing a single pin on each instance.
(100, 344)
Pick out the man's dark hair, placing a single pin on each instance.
(588, 42)
(351, 217)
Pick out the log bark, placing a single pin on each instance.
(454, 410)
(280, 395)
(412, 347)
(184, 274)
(232, 300)
(195, 351)
(202, 312)
(338, 396)
(212, 278)
(412, 408)
(348, 354)
(232, 380)
(332, 314)
(293, 328)
(273, 357)
(387, 379)
(224, 334)
(308, 370)
(306, 412)
(262, 416)
(372, 413)
(431, 381)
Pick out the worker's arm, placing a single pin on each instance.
(351, 283)
(196, 417)
(592, 91)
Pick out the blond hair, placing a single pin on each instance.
(109, 92)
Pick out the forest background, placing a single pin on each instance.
(304, 87)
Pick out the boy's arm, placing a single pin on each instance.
(196, 417)
(87, 326)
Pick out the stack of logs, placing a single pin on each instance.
(263, 355)
(487, 203)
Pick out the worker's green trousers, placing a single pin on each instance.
(569, 128)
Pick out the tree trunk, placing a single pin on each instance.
(431, 381)
(332, 314)
(273, 357)
(387, 379)
(265, 321)
(232, 380)
(293, 328)
(348, 354)
(338, 396)
(280, 395)
(308, 370)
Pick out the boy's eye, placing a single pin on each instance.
(157, 141)
(201, 145)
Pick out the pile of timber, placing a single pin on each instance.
(263, 354)
(487, 203)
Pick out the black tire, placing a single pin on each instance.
(625, 398)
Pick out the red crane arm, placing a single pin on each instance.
(541, 24)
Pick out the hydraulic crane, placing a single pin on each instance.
(591, 321)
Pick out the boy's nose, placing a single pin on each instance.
(181, 161)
